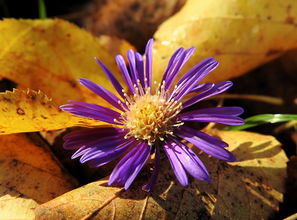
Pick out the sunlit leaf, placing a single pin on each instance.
(263, 119)
(28, 110)
(50, 55)
(240, 34)
(29, 176)
(250, 188)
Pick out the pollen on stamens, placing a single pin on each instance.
(150, 117)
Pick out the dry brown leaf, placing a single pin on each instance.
(50, 55)
(133, 20)
(290, 201)
(240, 34)
(29, 176)
(27, 111)
(250, 188)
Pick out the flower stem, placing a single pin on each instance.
(42, 9)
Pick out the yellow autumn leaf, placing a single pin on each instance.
(240, 34)
(28, 176)
(250, 188)
(28, 110)
(50, 55)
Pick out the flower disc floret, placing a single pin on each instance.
(150, 117)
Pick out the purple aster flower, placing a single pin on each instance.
(149, 119)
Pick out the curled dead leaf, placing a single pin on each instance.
(250, 188)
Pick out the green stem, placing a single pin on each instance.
(42, 9)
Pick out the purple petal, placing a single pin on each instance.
(172, 62)
(123, 68)
(193, 71)
(151, 183)
(148, 62)
(202, 87)
(99, 149)
(206, 143)
(102, 92)
(96, 107)
(140, 163)
(87, 149)
(111, 78)
(205, 138)
(132, 65)
(80, 152)
(183, 59)
(77, 139)
(184, 88)
(110, 155)
(223, 115)
(130, 165)
(217, 89)
(140, 68)
(234, 111)
(197, 72)
(84, 111)
(191, 162)
(176, 165)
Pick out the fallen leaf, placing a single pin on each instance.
(29, 175)
(133, 20)
(250, 188)
(241, 35)
(27, 111)
(50, 55)
(290, 197)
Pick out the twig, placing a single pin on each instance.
(285, 126)
(259, 98)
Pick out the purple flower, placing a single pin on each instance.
(150, 119)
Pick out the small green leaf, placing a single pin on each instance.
(263, 119)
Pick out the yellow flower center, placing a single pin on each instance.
(150, 117)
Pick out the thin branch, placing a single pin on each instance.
(285, 126)
(259, 98)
